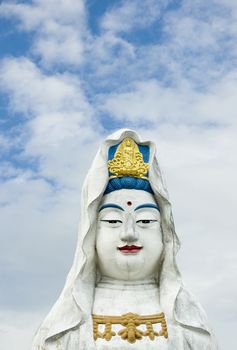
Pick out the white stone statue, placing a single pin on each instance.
(124, 290)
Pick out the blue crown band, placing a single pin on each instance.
(128, 182)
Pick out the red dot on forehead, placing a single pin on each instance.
(129, 203)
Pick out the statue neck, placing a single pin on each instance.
(118, 297)
(110, 283)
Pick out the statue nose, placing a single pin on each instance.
(128, 233)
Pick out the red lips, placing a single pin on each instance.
(128, 249)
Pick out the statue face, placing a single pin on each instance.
(129, 238)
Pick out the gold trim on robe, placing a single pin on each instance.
(130, 322)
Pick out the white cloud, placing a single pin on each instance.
(106, 45)
(150, 100)
(35, 92)
(59, 118)
(59, 27)
(199, 40)
(17, 329)
(40, 223)
(194, 41)
(7, 170)
(128, 15)
(4, 143)
(59, 139)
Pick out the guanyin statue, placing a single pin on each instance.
(124, 290)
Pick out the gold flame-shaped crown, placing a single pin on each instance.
(128, 161)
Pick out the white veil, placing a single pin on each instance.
(74, 305)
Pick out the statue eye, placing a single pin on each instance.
(146, 221)
(112, 221)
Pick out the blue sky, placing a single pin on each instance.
(70, 73)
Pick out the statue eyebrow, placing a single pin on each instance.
(147, 205)
(111, 205)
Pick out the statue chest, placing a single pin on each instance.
(129, 319)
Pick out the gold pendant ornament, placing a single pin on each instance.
(130, 322)
(128, 161)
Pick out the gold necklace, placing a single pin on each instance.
(130, 322)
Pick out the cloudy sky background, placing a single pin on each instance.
(72, 72)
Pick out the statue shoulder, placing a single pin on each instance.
(66, 341)
(189, 314)
(197, 339)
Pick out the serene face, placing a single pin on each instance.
(129, 239)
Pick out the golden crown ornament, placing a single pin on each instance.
(128, 161)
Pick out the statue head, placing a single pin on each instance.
(128, 235)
